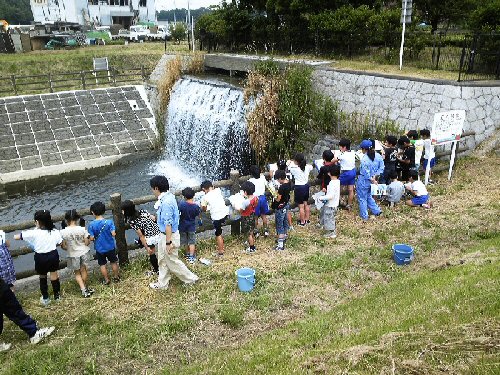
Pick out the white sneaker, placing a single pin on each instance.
(4, 346)
(41, 334)
(330, 235)
(44, 301)
(157, 286)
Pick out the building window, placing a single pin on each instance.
(142, 3)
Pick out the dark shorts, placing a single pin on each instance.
(46, 262)
(417, 201)
(247, 224)
(301, 193)
(103, 258)
(187, 238)
(262, 207)
(433, 163)
(348, 177)
(218, 226)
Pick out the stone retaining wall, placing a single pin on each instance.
(413, 102)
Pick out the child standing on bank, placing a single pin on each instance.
(102, 232)
(332, 200)
(323, 171)
(429, 155)
(76, 242)
(187, 223)
(406, 157)
(262, 209)
(213, 201)
(390, 159)
(7, 271)
(419, 147)
(147, 230)
(347, 161)
(44, 239)
(247, 212)
(418, 190)
(300, 170)
(281, 207)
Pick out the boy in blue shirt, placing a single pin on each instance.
(187, 223)
(167, 217)
(102, 232)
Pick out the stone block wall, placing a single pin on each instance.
(413, 102)
(49, 133)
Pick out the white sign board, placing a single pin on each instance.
(447, 127)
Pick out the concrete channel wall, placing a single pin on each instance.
(55, 133)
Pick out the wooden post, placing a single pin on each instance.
(82, 75)
(234, 176)
(13, 80)
(51, 88)
(143, 73)
(113, 74)
(121, 241)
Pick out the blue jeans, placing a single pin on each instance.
(281, 219)
(365, 199)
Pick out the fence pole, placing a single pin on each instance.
(143, 73)
(51, 89)
(82, 75)
(113, 75)
(121, 241)
(13, 80)
(234, 176)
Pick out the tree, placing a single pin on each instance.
(438, 11)
(16, 12)
(177, 31)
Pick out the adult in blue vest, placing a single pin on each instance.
(372, 166)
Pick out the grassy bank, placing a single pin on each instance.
(132, 55)
(320, 307)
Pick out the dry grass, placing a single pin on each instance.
(172, 73)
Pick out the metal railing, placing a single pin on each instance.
(82, 80)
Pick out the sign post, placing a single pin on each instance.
(446, 128)
(406, 10)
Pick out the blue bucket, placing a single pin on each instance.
(403, 254)
(246, 279)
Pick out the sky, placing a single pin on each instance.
(194, 4)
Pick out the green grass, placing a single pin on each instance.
(321, 306)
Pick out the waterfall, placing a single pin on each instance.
(206, 128)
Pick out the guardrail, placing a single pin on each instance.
(114, 205)
(81, 80)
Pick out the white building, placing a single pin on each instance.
(97, 12)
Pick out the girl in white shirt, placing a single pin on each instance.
(262, 209)
(300, 171)
(44, 239)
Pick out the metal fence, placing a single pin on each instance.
(480, 58)
(82, 80)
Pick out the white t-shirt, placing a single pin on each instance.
(332, 196)
(419, 188)
(419, 149)
(260, 185)
(301, 176)
(428, 150)
(214, 201)
(75, 241)
(42, 241)
(347, 160)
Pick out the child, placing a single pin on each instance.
(395, 189)
(187, 224)
(213, 201)
(44, 239)
(390, 158)
(347, 161)
(419, 192)
(76, 242)
(247, 211)
(7, 271)
(419, 147)
(167, 217)
(146, 228)
(281, 164)
(11, 308)
(281, 207)
(406, 157)
(262, 209)
(428, 151)
(323, 173)
(300, 170)
(332, 199)
(102, 232)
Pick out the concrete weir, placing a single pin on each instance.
(50, 134)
